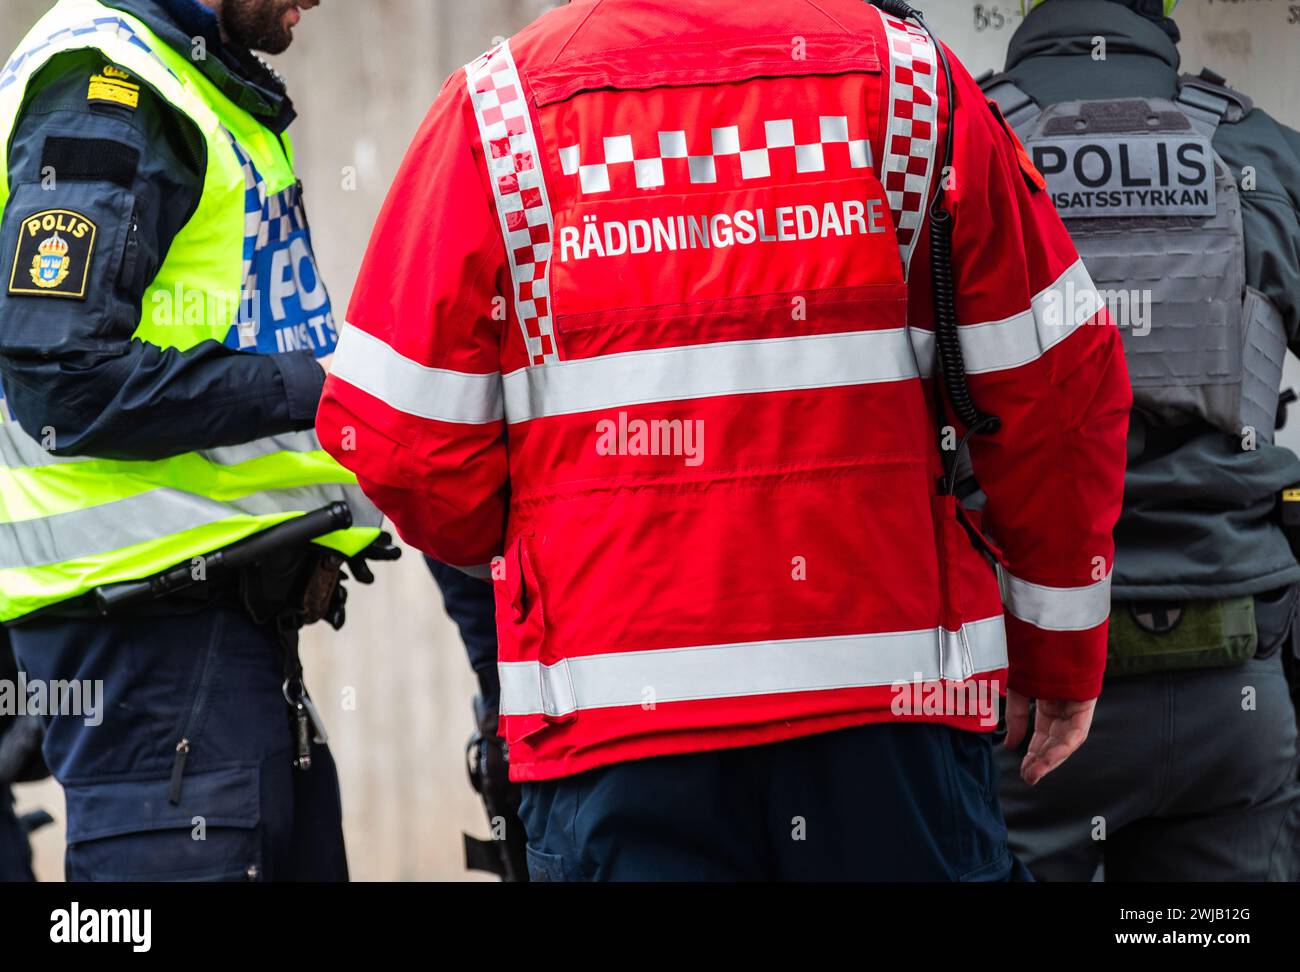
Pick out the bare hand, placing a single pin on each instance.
(1060, 728)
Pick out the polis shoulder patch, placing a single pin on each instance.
(113, 86)
(53, 257)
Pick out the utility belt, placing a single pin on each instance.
(275, 575)
(1162, 636)
(288, 590)
(1154, 636)
(291, 582)
(278, 577)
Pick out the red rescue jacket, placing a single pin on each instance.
(644, 334)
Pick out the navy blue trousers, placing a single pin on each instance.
(875, 803)
(238, 809)
(15, 851)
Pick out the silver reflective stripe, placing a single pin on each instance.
(481, 572)
(1056, 608)
(1053, 316)
(305, 441)
(99, 530)
(18, 450)
(923, 349)
(367, 363)
(751, 668)
(708, 370)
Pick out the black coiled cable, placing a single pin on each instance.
(947, 343)
(948, 353)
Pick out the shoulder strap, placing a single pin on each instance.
(1016, 106)
(73, 25)
(1208, 101)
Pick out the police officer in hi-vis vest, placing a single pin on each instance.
(1183, 201)
(168, 520)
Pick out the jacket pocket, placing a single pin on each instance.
(535, 688)
(191, 727)
(519, 608)
(967, 580)
(978, 847)
(547, 867)
(702, 192)
(688, 65)
(947, 531)
(131, 831)
(131, 262)
(826, 312)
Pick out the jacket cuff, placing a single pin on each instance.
(304, 380)
(1064, 665)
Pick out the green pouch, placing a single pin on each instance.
(1174, 636)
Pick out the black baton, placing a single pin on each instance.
(115, 598)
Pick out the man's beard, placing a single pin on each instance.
(258, 25)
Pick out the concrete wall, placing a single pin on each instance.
(363, 73)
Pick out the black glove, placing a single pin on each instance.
(20, 752)
(382, 549)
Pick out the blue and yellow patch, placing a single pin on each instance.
(53, 257)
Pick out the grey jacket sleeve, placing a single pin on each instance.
(115, 183)
(1265, 157)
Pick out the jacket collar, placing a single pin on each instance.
(240, 75)
(1060, 29)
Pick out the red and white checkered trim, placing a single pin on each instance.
(755, 163)
(527, 223)
(910, 145)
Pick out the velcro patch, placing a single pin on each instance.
(53, 257)
(111, 86)
(90, 160)
(1129, 174)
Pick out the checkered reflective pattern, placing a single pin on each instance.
(913, 129)
(268, 221)
(770, 137)
(114, 25)
(519, 191)
(276, 294)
